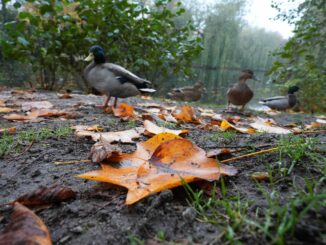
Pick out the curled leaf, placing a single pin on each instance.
(103, 150)
(46, 195)
(225, 125)
(25, 227)
(186, 114)
(124, 111)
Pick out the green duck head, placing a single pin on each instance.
(97, 54)
(293, 89)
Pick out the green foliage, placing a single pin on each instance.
(302, 60)
(51, 35)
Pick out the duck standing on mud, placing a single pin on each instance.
(111, 79)
(240, 94)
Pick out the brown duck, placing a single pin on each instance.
(188, 93)
(240, 94)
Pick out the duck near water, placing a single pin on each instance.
(240, 94)
(188, 93)
(282, 102)
(112, 80)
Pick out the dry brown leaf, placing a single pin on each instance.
(19, 117)
(27, 106)
(152, 129)
(268, 127)
(25, 227)
(313, 125)
(11, 130)
(46, 195)
(125, 136)
(124, 111)
(225, 125)
(186, 114)
(2, 103)
(163, 162)
(103, 150)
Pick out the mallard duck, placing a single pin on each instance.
(240, 93)
(282, 102)
(111, 79)
(188, 93)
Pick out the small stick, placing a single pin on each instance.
(311, 132)
(72, 162)
(250, 155)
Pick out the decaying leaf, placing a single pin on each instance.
(27, 106)
(260, 176)
(103, 150)
(25, 227)
(225, 125)
(186, 114)
(268, 127)
(152, 129)
(46, 195)
(162, 162)
(11, 130)
(125, 136)
(124, 111)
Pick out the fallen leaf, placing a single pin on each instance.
(103, 150)
(27, 106)
(150, 105)
(225, 125)
(125, 136)
(162, 162)
(6, 109)
(11, 130)
(124, 111)
(186, 114)
(64, 96)
(152, 129)
(25, 227)
(268, 127)
(46, 195)
(313, 125)
(260, 176)
(40, 113)
(218, 152)
(2, 103)
(19, 117)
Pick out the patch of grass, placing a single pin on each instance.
(296, 148)
(131, 124)
(135, 240)
(169, 125)
(10, 143)
(228, 135)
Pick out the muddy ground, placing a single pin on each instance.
(99, 216)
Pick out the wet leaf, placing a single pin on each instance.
(46, 195)
(125, 136)
(103, 150)
(25, 227)
(124, 111)
(186, 114)
(160, 163)
(268, 127)
(225, 126)
(152, 129)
